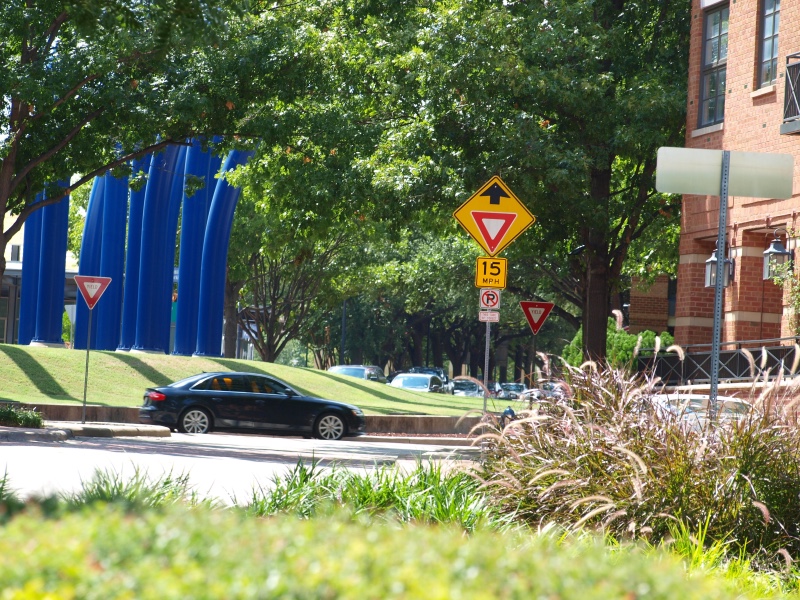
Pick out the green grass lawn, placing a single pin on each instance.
(55, 375)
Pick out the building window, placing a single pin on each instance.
(768, 71)
(715, 58)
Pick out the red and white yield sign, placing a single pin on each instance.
(536, 313)
(92, 288)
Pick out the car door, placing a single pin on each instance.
(275, 405)
(228, 397)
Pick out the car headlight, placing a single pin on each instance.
(357, 411)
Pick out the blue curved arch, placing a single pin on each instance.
(108, 311)
(171, 232)
(52, 263)
(132, 256)
(215, 258)
(150, 304)
(193, 226)
(31, 260)
(90, 259)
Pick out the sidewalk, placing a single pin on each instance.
(59, 431)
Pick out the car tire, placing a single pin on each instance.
(329, 426)
(194, 420)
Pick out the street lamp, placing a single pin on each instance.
(774, 256)
(711, 271)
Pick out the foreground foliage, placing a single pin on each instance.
(602, 458)
(174, 553)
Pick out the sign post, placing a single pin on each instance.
(91, 288)
(720, 173)
(494, 217)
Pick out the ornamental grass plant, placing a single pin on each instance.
(605, 457)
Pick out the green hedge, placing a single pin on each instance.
(173, 552)
(11, 416)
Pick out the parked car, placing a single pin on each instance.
(467, 387)
(360, 372)
(693, 408)
(249, 402)
(418, 382)
(438, 371)
(513, 390)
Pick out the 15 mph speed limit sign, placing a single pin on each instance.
(490, 299)
(490, 272)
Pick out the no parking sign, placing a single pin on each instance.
(490, 299)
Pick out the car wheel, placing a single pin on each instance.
(195, 420)
(329, 427)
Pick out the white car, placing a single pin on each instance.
(694, 408)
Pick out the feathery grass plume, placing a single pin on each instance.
(637, 347)
(796, 361)
(751, 361)
(677, 350)
(657, 345)
(787, 558)
(608, 438)
(763, 364)
(764, 511)
(545, 363)
(619, 318)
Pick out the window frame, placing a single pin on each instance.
(715, 69)
(763, 18)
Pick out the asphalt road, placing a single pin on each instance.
(225, 467)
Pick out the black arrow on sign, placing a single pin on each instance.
(495, 192)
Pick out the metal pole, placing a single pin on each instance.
(486, 366)
(533, 364)
(344, 331)
(718, 288)
(86, 371)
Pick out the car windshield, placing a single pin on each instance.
(351, 371)
(513, 387)
(411, 382)
(463, 385)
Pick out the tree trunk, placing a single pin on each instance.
(596, 287)
(230, 312)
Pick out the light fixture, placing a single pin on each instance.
(775, 255)
(711, 271)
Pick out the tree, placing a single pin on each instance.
(568, 100)
(87, 86)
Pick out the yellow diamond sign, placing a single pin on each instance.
(494, 216)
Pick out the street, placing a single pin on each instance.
(224, 467)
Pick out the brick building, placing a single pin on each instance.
(742, 96)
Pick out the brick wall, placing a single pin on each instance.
(754, 309)
(649, 305)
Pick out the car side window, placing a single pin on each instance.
(268, 386)
(238, 383)
(217, 384)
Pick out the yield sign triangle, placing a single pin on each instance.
(91, 288)
(536, 313)
(493, 226)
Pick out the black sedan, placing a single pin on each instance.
(250, 402)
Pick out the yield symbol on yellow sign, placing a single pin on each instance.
(494, 216)
(491, 272)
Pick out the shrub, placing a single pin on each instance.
(10, 416)
(174, 553)
(621, 346)
(602, 458)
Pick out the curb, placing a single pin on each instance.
(109, 429)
